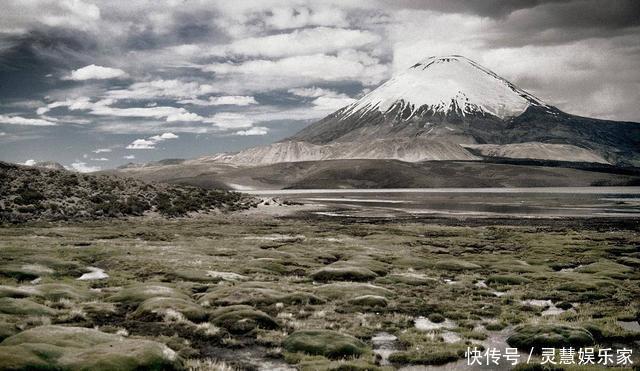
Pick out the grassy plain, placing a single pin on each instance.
(235, 291)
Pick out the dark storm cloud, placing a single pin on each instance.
(27, 59)
(544, 13)
(556, 23)
(486, 8)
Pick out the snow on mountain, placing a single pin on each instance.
(446, 84)
(448, 108)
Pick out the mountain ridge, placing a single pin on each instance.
(385, 113)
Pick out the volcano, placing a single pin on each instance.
(443, 122)
(451, 108)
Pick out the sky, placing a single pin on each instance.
(97, 84)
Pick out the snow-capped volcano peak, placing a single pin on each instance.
(443, 84)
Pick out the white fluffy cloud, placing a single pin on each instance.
(264, 74)
(102, 150)
(257, 130)
(18, 120)
(20, 15)
(163, 136)
(325, 99)
(93, 72)
(129, 157)
(231, 120)
(30, 162)
(228, 100)
(150, 143)
(299, 42)
(82, 167)
(158, 89)
(103, 108)
(142, 144)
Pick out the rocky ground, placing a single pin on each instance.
(246, 291)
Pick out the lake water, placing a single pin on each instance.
(618, 202)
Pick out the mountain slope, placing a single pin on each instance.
(455, 100)
(535, 150)
(405, 149)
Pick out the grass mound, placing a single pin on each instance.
(350, 290)
(549, 335)
(241, 319)
(24, 307)
(17, 292)
(422, 348)
(57, 291)
(507, 279)
(76, 348)
(25, 272)
(135, 294)
(343, 272)
(456, 265)
(199, 275)
(411, 279)
(330, 344)
(373, 301)
(255, 293)
(159, 307)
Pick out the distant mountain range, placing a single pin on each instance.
(440, 109)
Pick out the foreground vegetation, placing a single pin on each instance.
(234, 291)
(32, 193)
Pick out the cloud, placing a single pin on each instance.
(150, 143)
(313, 92)
(189, 62)
(19, 16)
(82, 167)
(155, 89)
(230, 120)
(258, 130)
(301, 16)
(99, 159)
(164, 136)
(142, 144)
(325, 99)
(229, 100)
(129, 157)
(299, 42)
(18, 120)
(93, 72)
(30, 162)
(102, 150)
(103, 108)
(265, 74)
(170, 114)
(331, 103)
(73, 104)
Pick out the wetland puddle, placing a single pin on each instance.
(384, 345)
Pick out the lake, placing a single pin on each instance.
(618, 202)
